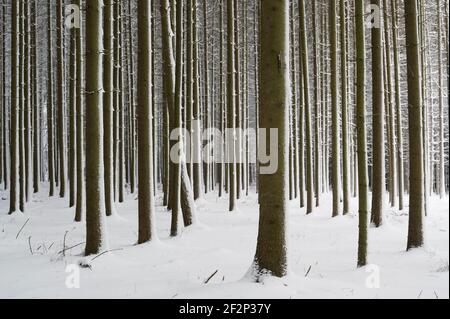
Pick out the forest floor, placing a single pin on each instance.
(322, 255)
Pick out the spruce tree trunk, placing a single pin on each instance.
(378, 117)
(2, 93)
(334, 111)
(271, 252)
(5, 119)
(81, 191)
(416, 173)
(398, 104)
(391, 124)
(307, 104)
(231, 103)
(61, 125)
(108, 106)
(362, 138)
(36, 107)
(344, 103)
(317, 108)
(27, 105)
(96, 240)
(22, 162)
(132, 100)
(196, 129)
(14, 132)
(145, 138)
(50, 107)
(441, 179)
(72, 118)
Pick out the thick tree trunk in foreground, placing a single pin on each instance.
(145, 138)
(95, 195)
(271, 252)
(416, 173)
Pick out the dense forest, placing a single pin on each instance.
(338, 106)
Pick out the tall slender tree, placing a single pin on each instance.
(146, 196)
(334, 110)
(14, 143)
(271, 252)
(361, 133)
(80, 159)
(378, 178)
(96, 238)
(416, 172)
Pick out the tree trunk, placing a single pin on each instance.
(344, 88)
(95, 195)
(231, 112)
(61, 126)
(147, 230)
(14, 132)
(398, 105)
(80, 200)
(378, 177)
(271, 252)
(307, 104)
(334, 110)
(416, 198)
(108, 106)
(361, 127)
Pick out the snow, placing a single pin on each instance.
(322, 255)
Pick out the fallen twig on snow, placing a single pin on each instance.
(105, 252)
(211, 277)
(29, 244)
(23, 226)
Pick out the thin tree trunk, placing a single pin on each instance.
(378, 177)
(344, 103)
(334, 111)
(307, 104)
(61, 126)
(108, 106)
(14, 144)
(398, 105)
(50, 107)
(80, 200)
(361, 127)
(231, 100)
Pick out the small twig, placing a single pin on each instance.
(211, 277)
(29, 244)
(309, 270)
(69, 248)
(64, 244)
(105, 252)
(420, 294)
(49, 247)
(437, 297)
(23, 226)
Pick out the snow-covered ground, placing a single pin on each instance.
(322, 255)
